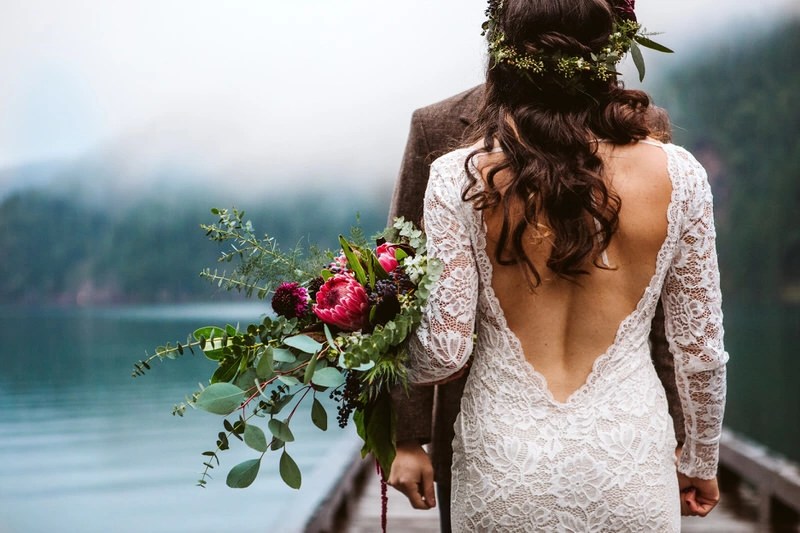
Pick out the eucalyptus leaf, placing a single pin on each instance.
(328, 377)
(289, 380)
(318, 415)
(280, 430)
(310, 368)
(283, 355)
(304, 343)
(290, 473)
(226, 372)
(329, 337)
(246, 379)
(243, 474)
(638, 60)
(220, 398)
(255, 438)
(648, 43)
(264, 368)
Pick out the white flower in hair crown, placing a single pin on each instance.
(627, 35)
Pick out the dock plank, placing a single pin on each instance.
(402, 518)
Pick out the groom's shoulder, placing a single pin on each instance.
(463, 107)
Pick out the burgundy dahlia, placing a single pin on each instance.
(625, 8)
(290, 300)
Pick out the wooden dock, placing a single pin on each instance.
(366, 515)
(760, 494)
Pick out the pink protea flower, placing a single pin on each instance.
(343, 302)
(290, 300)
(386, 258)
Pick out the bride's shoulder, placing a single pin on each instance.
(683, 166)
(452, 164)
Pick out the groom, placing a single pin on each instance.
(427, 414)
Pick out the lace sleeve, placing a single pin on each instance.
(442, 344)
(693, 320)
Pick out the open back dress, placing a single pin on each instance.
(604, 459)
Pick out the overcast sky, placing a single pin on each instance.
(261, 88)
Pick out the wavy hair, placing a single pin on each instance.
(548, 129)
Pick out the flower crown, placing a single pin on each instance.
(626, 35)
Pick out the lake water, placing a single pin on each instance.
(84, 447)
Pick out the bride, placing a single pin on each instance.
(559, 230)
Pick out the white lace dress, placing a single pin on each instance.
(604, 459)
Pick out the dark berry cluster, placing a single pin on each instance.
(402, 281)
(383, 298)
(314, 286)
(347, 397)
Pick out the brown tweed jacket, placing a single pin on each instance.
(428, 413)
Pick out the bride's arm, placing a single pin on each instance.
(442, 344)
(692, 306)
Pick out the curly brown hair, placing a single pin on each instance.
(548, 131)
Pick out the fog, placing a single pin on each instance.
(262, 92)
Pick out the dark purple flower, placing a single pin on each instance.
(625, 8)
(290, 300)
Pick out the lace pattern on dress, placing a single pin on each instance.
(613, 436)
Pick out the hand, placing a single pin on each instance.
(412, 474)
(698, 496)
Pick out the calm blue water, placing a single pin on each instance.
(84, 447)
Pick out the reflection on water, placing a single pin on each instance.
(84, 447)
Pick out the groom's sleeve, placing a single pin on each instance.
(665, 368)
(414, 410)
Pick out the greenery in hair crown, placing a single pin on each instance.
(627, 35)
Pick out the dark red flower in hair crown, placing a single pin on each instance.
(626, 9)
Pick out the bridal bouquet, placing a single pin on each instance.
(339, 325)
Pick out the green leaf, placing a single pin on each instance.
(638, 60)
(648, 43)
(211, 344)
(264, 369)
(280, 430)
(328, 377)
(358, 420)
(352, 261)
(220, 398)
(290, 473)
(289, 380)
(329, 337)
(246, 379)
(304, 343)
(283, 355)
(312, 365)
(243, 474)
(326, 275)
(318, 415)
(400, 254)
(226, 371)
(209, 332)
(255, 438)
(379, 430)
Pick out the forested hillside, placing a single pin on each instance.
(61, 250)
(738, 108)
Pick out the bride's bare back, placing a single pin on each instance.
(564, 326)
